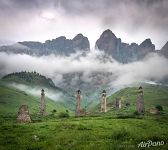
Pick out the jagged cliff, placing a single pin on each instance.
(108, 42)
(121, 51)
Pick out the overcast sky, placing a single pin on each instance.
(39, 20)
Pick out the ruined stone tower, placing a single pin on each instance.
(43, 103)
(118, 104)
(23, 114)
(103, 103)
(140, 101)
(78, 103)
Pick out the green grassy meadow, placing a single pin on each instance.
(116, 129)
(84, 133)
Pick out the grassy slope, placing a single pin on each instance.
(35, 80)
(153, 95)
(11, 99)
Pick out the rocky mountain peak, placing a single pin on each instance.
(61, 38)
(79, 36)
(123, 52)
(81, 42)
(60, 45)
(146, 47)
(147, 44)
(165, 47)
(108, 34)
(164, 50)
(107, 42)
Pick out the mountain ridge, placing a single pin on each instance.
(59, 46)
(32, 78)
(123, 52)
(108, 42)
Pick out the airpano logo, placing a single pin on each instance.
(150, 144)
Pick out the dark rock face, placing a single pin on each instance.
(164, 50)
(147, 44)
(80, 42)
(60, 45)
(145, 47)
(123, 52)
(32, 44)
(15, 48)
(165, 47)
(107, 42)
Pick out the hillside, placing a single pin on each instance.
(153, 95)
(30, 78)
(11, 99)
(28, 81)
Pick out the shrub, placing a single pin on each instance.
(127, 104)
(136, 113)
(159, 107)
(63, 115)
(54, 111)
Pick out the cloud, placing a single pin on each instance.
(94, 66)
(134, 12)
(131, 20)
(55, 96)
(143, 71)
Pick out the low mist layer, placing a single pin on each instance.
(36, 91)
(150, 69)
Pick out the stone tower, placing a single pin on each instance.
(103, 103)
(43, 103)
(23, 114)
(140, 101)
(78, 103)
(118, 103)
